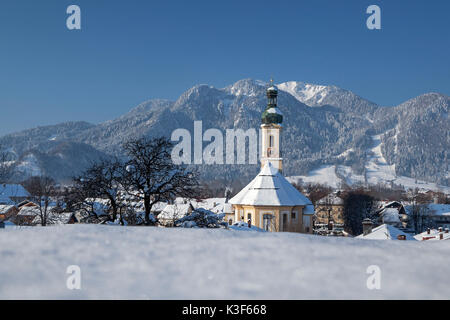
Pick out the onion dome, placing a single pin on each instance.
(272, 114)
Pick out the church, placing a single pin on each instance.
(269, 201)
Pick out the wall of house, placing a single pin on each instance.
(294, 218)
(230, 217)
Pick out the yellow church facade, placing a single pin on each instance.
(275, 219)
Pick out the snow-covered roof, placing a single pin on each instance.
(389, 203)
(270, 188)
(5, 200)
(4, 208)
(216, 205)
(175, 211)
(13, 190)
(385, 232)
(433, 235)
(390, 215)
(29, 211)
(157, 207)
(331, 198)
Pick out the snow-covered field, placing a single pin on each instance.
(157, 263)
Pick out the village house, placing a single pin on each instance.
(392, 213)
(7, 211)
(434, 215)
(434, 234)
(27, 213)
(440, 214)
(173, 212)
(329, 209)
(382, 232)
(269, 201)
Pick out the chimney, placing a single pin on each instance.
(446, 230)
(367, 226)
(441, 236)
(428, 231)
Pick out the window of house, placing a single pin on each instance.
(294, 215)
(270, 141)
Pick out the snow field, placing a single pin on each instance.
(157, 263)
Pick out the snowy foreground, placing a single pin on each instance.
(157, 263)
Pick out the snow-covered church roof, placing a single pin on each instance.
(270, 188)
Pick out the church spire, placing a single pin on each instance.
(271, 119)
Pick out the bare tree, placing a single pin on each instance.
(103, 179)
(151, 175)
(79, 199)
(6, 166)
(420, 215)
(41, 189)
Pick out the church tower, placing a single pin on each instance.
(272, 119)
(269, 201)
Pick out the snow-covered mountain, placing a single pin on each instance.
(315, 95)
(323, 126)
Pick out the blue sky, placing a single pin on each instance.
(131, 51)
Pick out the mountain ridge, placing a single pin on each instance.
(336, 121)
